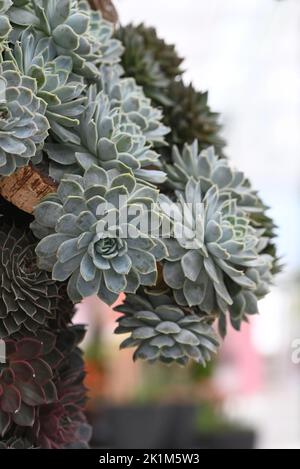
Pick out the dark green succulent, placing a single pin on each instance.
(148, 59)
(89, 234)
(23, 125)
(161, 330)
(190, 117)
(215, 252)
(104, 137)
(28, 295)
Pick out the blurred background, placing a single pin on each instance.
(247, 55)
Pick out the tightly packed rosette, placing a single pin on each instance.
(23, 125)
(91, 234)
(161, 330)
(26, 378)
(28, 295)
(214, 253)
(62, 424)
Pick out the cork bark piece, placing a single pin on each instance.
(107, 8)
(26, 187)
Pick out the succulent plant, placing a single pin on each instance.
(68, 28)
(210, 170)
(23, 125)
(156, 66)
(125, 94)
(213, 250)
(147, 58)
(26, 378)
(62, 424)
(15, 443)
(5, 26)
(28, 295)
(56, 84)
(104, 139)
(102, 31)
(161, 330)
(206, 167)
(88, 234)
(190, 117)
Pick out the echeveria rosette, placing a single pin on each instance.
(105, 138)
(205, 166)
(5, 26)
(23, 125)
(28, 295)
(62, 90)
(161, 330)
(26, 379)
(210, 170)
(78, 242)
(102, 31)
(68, 28)
(127, 95)
(210, 256)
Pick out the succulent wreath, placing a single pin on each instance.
(121, 170)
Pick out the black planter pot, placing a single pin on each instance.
(151, 426)
(227, 439)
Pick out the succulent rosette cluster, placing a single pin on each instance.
(92, 234)
(95, 110)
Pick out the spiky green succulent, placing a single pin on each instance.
(104, 137)
(214, 253)
(147, 58)
(56, 84)
(124, 93)
(5, 26)
(28, 295)
(88, 234)
(190, 117)
(23, 125)
(161, 330)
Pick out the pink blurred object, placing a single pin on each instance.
(241, 368)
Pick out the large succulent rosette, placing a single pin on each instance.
(90, 235)
(214, 252)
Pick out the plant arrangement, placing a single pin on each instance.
(121, 170)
